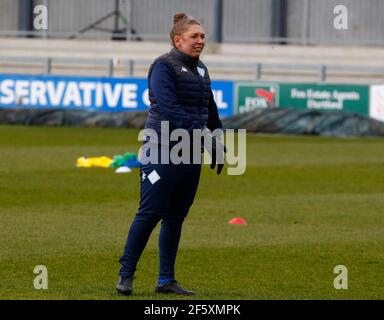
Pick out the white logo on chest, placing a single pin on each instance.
(201, 71)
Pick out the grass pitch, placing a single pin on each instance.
(311, 204)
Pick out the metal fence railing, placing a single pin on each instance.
(129, 67)
(306, 22)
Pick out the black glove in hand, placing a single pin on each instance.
(216, 149)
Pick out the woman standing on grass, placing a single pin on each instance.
(180, 93)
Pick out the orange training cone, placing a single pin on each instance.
(237, 220)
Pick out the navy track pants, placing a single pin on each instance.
(166, 194)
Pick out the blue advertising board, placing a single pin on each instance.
(91, 93)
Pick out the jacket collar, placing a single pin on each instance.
(189, 61)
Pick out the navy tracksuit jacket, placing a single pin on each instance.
(179, 92)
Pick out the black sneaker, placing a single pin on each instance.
(173, 287)
(124, 286)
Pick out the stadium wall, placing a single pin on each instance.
(306, 22)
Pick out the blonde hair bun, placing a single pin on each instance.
(178, 17)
